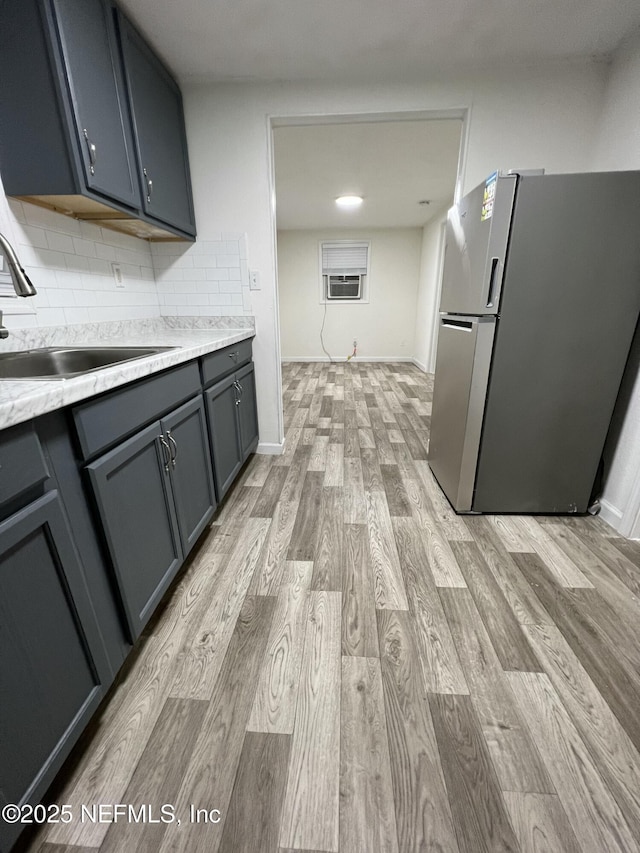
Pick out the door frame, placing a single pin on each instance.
(463, 113)
(435, 326)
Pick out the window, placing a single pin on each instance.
(345, 268)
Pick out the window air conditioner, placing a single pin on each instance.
(344, 286)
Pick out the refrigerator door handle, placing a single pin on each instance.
(460, 325)
(496, 269)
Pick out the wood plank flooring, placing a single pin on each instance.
(345, 665)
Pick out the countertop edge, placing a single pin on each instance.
(22, 400)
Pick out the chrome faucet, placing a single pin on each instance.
(21, 283)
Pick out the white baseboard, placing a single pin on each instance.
(420, 365)
(383, 358)
(270, 448)
(612, 515)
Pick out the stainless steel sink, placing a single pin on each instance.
(64, 362)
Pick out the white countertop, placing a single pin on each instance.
(21, 400)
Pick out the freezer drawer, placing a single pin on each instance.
(477, 234)
(462, 373)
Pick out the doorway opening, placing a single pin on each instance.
(408, 169)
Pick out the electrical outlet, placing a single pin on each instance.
(254, 280)
(117, 275)
(355, 343)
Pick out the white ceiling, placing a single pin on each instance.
(374, 39)
(393, 165)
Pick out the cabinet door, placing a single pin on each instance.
(23, 467)
(190, 469)
(222, 402)
(132, 489)
(247, 410)
(86, 34)
(156, 105)
(52, 663)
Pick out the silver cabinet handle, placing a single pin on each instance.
(164, 446)
(92, 152)
(236, 386)
(149, 185)
(234, 355)
(240, 389)
(175, 448)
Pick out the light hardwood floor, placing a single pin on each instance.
(346, 665)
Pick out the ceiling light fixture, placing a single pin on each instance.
(349, 201)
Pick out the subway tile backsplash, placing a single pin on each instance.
(70, 264)
(210, 276)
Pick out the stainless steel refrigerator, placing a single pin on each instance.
(540, 300)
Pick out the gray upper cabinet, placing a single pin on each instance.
(85, 29)
(156, 105)
(79, 127)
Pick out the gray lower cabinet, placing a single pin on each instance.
(88, 548)
(52, 663)
(233, 424)
(154, 495)
(190, 470)
(23, 468)
(225, 436)
(247, 410)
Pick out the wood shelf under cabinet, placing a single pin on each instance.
(88, 210)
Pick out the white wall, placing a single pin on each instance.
(208, 277)
(617, 146)
(616, 143)
(383, 326)
(520, 118)
(426, 331)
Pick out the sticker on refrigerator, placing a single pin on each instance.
(489, 197)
